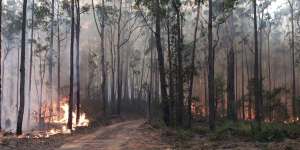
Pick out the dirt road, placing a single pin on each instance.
(120, 136)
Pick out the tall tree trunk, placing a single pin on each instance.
(171, 77)
(18, 82)
(160, 55)
(261, 102)
(211, 71)
(179, 85)
(0, 64)
(151, 83)
(205, 90)
(71, 67)
(50, 58)
(78, 60)
(30, 63)
(58, 61)
(291, 3)
(256, 71)
(192, 69)
(243, 82)
(113, 100)
(22, 70)
(230, 86)
(103, 66)
(119, 69)
(269, 70)
(249, 111)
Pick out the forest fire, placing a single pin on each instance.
(59, 119)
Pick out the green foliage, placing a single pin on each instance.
(269, 131)
(273, 106)
(230, 129)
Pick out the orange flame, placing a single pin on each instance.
(60, 118)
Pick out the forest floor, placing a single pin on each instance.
(138, 135)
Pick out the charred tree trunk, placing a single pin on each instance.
(231, 114)
(179, 85)
(22, 70)
(78, 60)
(70, 118)
(171, 81)
(256, 71)
(211, 71)
(160, 55)
(0, 64)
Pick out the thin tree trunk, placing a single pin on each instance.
(103, 66)
(171, 81)
(58, 61)
(22, 70)
(30, 62)
(211, 71)
(243, 82)
(249, 116)
(119, 69)
(50, 58)
(192, 71)
(78, 60)
(113, 100)
(71, 67)
(151, 84)
(269, 71)
(0, 64)
(230, 86)
(160, 55)
(179, 85)
(291, 3)
(256, 71)
(18, 82)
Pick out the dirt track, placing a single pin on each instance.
(120, 136)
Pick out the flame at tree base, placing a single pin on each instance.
(60, 119)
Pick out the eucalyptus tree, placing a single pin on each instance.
(31, 61)
(22, 70)
(258, 92)
(78, 60)
(0, 63)
(156, 7)
(292, 45)
(192, 68)
(101, 32)
(71, 96)
(211, 69)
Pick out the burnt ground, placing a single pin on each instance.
(137, 135)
